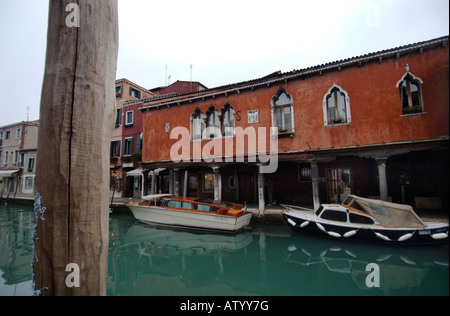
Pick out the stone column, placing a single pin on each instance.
(186, 183)
(315, 184)
(153, 188)
(382, 178)
(261, 184)
(217, 184)
(176, 182)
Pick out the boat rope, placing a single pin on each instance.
(39, 212)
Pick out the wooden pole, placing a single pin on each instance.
(76, 122)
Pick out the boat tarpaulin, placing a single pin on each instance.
(391, 215)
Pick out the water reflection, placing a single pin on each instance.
(269, 260)
(16, 225)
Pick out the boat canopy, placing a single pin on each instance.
(390, 215)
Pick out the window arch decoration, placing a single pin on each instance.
(282, 106)
(197, 123)
(227, 119)
(336, 106)
(410, 88)
(212, 123)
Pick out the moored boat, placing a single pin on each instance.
(366, 220)
(199, 214)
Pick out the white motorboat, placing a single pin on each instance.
(368, 220)
(193, 213)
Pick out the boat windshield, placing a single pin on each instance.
(319, 210)
(220, 204)
(206, 208)
(347, 200)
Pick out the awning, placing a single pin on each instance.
(7, 173)
(135, 172)
(139, 171)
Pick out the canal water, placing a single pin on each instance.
(267, 261)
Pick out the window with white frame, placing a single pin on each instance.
(227, 119)
(410, 88)
(336, 106)
(197, 124)
(129, 118)
(30, 164)
(29, 184)
(283, 112)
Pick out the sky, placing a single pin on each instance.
(215, 42)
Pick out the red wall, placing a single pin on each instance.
(376, 109)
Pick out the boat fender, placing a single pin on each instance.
(350, 233)
(439, 236)
(333, 234)
(405, 237)
(290, 221)
(382, 236)
(304, 224)
(321, 227)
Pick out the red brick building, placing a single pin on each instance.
(126, 140)
(373, 125)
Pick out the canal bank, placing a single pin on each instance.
(272, 213)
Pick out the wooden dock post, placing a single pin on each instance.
(76, 122)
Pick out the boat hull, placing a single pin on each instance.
(434, 234)
(192, 220)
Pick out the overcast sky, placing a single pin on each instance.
(225, 41)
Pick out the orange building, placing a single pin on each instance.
(373, 125)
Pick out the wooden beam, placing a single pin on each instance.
(72, 172)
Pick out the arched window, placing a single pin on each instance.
(212, 123)
(410, 88)
(283, 112)
(227, 120)
(197, 124)
(336, 106)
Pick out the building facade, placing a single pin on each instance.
(374, 125)
(18, 150)
(126, 138)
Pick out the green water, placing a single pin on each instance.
(269, 260)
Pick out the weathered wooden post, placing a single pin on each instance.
(76, 122)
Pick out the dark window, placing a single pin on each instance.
(119, 117)
(135, 93)
(359, 219)
(304, 173)
(332, 215)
